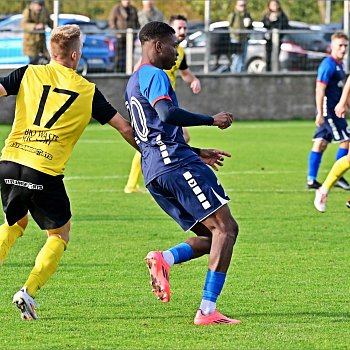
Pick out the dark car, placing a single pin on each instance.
(301, 48)
(304, 49)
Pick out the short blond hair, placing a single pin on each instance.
(64, 40)
(339, 35)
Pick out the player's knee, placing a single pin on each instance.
(228, 228)
(233, 229)
(62, 232)
(320, 146)
(225, 224)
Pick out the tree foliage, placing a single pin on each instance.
(297, 10)
(310, 11)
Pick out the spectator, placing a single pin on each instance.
(149, 13)
(35, 18)
(239, 19)
(274, 18)
(121, 17)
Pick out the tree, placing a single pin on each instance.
(310, 11)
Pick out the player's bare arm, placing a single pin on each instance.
(213, 157)
(3, 92)
(124, 127)
(320, 94)
(192, 80)
(340, 110)
(343, 104)
(223, 120)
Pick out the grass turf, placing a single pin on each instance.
(288, 281)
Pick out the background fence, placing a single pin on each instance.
(300, 48)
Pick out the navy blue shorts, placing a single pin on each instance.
(24, 189)
(334, 129)
(188, 194)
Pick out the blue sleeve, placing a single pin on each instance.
(154, 85)
(325, 71)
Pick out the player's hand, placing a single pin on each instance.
(223, 120)
(319, 119)
(213, 157)
(39, 26)
(196, 86)
(340, 110)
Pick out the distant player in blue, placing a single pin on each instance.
(329, 86)
(176, 174)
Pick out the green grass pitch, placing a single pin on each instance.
(288, 282)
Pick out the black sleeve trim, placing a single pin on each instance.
(183, 64)
(196, 150)
(12, 82)
(102, 110)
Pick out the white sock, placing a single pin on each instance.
(207, 307)
(168, 257)
(323, 190)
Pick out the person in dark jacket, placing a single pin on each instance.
(239, 20)
(274, 18)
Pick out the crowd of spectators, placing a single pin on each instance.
(124, 15)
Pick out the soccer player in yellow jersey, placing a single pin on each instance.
(342, 164)
(179, 24)
(53, 106)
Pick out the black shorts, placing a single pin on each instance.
(24, 189)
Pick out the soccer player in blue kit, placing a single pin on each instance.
(176, 174)
(329, 86)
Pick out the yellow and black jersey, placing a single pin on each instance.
(179, 64)
(53, 106)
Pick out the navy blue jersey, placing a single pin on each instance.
(331, 73)
(162, 145)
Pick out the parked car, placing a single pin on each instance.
(98, 52)
(300, 50)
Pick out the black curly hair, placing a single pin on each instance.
(155, 30)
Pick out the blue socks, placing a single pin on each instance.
(178, 254)
(342, 152)
(182, 252)
(212, 289)
(214, 281)
(314, 165)
(315, 161)
(213, 285)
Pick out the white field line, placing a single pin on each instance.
(118, 190)
(94, 178)
(220, 173)
(100, 141)
(239, 125)
(230, 190)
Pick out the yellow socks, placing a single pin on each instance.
(45, 264)
(8, 236)
(135, 174)
(338, 169)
